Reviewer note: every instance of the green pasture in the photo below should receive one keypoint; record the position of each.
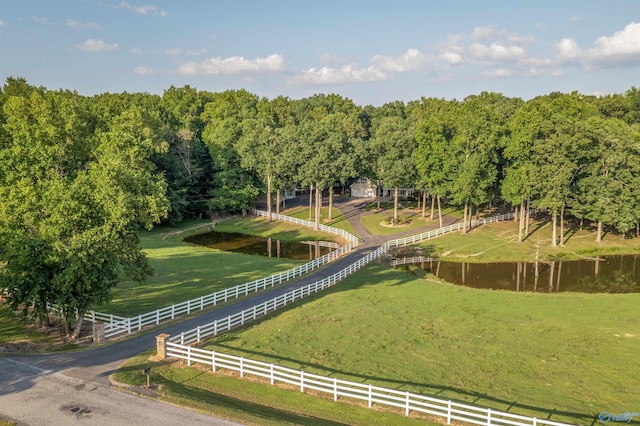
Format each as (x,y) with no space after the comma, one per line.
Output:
(375,222)
(498,243)
(185,271)
(564,356)
(338,219)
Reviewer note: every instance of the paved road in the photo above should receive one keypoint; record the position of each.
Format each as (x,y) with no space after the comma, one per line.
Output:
(75,387)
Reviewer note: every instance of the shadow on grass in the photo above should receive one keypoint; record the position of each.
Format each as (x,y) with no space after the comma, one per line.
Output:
(221,402)
(434,389)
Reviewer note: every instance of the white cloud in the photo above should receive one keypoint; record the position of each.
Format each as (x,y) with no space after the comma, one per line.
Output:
(575,18)
(232,65)
(147,9)
(80,25)
(346,74)
(452,58)
(490,32)
(135,50)
(495,52)
(623,47)
(144,70)
(40,20)
(92,45)
(381,67)
(411,60)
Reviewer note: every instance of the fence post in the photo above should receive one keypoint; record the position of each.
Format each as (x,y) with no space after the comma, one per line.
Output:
(139,322)
(128,325)
(188,356)
(407,404)
(335,389)
(213,361)
(488,416)
(369,396)
(241,368)
(449,412)
(302,381)
(271,373)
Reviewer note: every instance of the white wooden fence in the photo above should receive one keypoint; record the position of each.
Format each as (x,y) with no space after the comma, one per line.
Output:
(179,346)
(406,401)
(116,325)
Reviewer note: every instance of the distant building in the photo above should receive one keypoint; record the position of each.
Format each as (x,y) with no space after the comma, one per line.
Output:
(364,188)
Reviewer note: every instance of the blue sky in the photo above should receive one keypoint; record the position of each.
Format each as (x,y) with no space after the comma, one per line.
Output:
(370,51)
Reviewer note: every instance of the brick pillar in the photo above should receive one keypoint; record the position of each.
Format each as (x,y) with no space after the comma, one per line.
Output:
(99,333)
(161,349)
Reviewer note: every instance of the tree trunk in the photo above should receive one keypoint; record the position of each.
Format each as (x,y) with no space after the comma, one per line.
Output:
(526,225)
(439,211)
(278,202)
(379,193)
(562,226)
(599,233)
(77,329)
(395,205)
(269,196)
(515,213)
(433,202)
(554,236)
(551,274)
(310,202)
(419,199)
(521,225)
(464,221)
(424,203)
(318,205)
(330,202)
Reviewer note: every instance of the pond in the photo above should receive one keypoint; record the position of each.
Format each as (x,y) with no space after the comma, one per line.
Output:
(607,274)
(240,243)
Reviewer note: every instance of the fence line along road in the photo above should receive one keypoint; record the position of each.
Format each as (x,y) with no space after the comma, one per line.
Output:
(179,346)
(406,401)
(116,325)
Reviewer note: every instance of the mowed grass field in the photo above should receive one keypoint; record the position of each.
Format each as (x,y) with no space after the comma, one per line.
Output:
(185,271)
(498,243)
(565,357)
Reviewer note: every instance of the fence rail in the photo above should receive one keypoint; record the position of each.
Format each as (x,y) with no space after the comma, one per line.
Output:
(406,401)
(116,325)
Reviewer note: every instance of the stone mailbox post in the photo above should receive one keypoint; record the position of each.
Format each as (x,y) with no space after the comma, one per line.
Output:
(161,349)
(98,333)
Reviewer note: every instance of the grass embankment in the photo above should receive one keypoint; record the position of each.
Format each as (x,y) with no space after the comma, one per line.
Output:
(185,271)
(498,243)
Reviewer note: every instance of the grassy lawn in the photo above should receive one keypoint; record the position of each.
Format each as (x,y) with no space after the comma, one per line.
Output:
(249,402)
(338,220)
(498,243)
(185,271)
(375,222)
(562,356)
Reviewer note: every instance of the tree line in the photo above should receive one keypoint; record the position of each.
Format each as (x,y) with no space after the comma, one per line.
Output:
(80,174)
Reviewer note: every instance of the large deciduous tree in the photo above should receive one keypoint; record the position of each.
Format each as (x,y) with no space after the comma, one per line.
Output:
(73,198)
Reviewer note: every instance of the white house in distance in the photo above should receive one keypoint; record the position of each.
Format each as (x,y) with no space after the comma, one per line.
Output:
(364,188)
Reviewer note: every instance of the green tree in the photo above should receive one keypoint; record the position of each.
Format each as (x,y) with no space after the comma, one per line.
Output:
(608,189)
(233,187)
(73,199)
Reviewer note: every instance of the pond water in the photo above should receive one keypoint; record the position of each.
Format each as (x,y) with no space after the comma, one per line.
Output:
(609,274)
(239,243)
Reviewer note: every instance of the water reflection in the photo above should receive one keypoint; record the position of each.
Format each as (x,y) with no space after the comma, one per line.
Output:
(239,243)
(608,274)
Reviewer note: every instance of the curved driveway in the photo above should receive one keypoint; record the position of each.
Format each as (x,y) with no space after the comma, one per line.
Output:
(74,387)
